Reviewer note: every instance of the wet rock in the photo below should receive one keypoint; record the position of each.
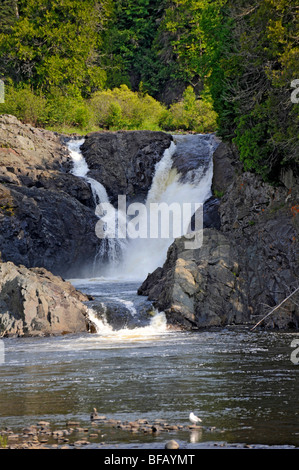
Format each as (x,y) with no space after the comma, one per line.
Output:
(72,423)
(81,442)
(172,445)
(43,423)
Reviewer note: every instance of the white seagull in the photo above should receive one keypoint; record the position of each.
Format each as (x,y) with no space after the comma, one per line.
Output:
(194,419)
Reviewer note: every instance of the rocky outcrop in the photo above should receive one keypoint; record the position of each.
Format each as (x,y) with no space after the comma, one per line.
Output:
(124,161)
(248,262)
(46,214)
(202,287)
(264,222)
(34,302)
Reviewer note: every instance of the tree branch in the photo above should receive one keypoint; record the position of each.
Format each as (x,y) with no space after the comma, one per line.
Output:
(275,308)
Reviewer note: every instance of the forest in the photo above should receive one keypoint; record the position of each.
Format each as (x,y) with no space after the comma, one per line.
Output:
(224,66)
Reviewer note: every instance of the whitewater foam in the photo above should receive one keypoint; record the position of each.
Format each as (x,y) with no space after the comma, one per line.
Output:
(156,327)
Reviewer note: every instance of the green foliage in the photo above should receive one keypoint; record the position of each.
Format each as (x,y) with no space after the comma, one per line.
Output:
(191,114)
(252,93)
(225,64)
(125,109)
(127,50)
(8,14)
(53,44)
(67,110)
(26,105)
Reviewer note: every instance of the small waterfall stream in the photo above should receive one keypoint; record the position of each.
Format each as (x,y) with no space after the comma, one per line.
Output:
(110,248)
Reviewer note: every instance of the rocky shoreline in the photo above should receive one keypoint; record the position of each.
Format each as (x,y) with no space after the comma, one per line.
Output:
(102,433)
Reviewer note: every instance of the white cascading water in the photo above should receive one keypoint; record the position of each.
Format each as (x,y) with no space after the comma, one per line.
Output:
(143,256)
(157,326)
(110,248)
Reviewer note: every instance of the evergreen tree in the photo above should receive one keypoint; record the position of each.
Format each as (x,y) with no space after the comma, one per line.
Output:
(53,44)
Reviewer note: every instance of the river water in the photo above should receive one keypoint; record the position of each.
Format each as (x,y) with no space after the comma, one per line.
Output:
(242,384)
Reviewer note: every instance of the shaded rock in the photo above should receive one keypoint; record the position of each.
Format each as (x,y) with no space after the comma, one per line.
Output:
(46,228)
(260,219)
(34,302)
(226,165)
(124,161)
(211,216)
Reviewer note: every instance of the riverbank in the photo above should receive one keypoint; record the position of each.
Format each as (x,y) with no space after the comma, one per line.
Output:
(102,434)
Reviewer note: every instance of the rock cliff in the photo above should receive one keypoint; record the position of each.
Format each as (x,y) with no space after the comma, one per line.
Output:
(46,213)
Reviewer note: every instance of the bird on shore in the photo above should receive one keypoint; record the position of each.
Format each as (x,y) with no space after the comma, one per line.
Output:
(194,419)
(94,414)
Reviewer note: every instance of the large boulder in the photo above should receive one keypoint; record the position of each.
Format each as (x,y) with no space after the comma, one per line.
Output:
(34,302)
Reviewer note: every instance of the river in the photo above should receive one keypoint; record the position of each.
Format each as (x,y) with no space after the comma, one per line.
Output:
(242,384)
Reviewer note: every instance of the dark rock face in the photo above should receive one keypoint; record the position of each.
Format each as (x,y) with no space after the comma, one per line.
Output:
(47,228)
(124,162)
(34,302)
(262,221)
(226,164)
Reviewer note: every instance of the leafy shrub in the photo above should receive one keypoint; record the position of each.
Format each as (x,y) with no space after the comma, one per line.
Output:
(191,114)
(68,110)
(26,105)
(125,109)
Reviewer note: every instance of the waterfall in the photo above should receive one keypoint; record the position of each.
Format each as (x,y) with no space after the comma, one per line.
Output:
(189,181)
(143,256)
(110,249)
